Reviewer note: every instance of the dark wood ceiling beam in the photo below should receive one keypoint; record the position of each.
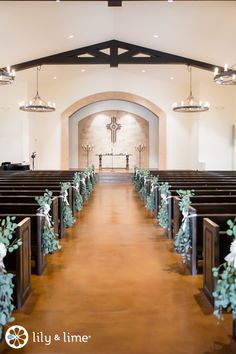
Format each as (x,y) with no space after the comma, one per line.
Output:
(94,54)
(114,3)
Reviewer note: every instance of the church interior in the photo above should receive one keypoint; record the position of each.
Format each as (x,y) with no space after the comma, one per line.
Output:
(118,177)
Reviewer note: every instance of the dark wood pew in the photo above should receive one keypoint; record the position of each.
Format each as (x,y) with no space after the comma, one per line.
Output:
(216,245)
(37,225)
(28,199)
(175,215)
(19,262)
(217,207)
(27,191)
(200,212)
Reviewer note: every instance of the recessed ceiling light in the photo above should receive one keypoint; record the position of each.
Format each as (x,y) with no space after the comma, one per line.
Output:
(83,70)
(170,0)
(143,71)
(71,36)
(57,0)
(156,36)
(54,77)
(172,78)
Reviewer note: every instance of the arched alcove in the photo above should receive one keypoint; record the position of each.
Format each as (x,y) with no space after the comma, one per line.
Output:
(105,96)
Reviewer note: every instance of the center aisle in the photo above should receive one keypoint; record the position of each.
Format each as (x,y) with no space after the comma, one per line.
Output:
(118,281)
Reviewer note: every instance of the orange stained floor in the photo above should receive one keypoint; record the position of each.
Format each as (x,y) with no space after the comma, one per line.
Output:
(118,281)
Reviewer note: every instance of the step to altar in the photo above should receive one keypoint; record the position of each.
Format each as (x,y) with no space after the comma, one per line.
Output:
(113,177)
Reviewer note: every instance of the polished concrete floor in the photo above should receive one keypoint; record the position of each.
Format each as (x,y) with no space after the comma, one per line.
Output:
(118,282)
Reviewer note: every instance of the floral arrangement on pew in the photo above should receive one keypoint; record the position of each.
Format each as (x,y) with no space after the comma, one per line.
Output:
(78,202)
(143,177)
(68,218)
(50,242)
(182,240)
(163,215)
(225,290)
(135,175)
(89,172)
(150,205)
(7,228)
(84,189)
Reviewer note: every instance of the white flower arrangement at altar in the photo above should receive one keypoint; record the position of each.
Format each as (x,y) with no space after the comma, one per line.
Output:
(50,242)
(225,289)
(183,240)
(7,229)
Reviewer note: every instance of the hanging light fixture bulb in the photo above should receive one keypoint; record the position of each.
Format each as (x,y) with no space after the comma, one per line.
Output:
(190,104)
(226,76)
(7,76)
(37,104)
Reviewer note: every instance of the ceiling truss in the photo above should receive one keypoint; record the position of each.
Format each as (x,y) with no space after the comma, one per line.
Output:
(113,53)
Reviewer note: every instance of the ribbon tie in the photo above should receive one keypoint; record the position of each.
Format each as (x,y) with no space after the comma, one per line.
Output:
(231,257)
(3,253)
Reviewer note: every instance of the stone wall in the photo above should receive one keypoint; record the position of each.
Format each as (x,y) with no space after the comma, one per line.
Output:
(92,130)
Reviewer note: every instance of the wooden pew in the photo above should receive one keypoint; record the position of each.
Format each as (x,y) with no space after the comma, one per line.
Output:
(175,215)
(216,245)
(28,199)
(200,212)
(19,262)
(37,225)
(40,191)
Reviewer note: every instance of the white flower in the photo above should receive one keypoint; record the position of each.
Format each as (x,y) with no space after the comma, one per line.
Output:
(3,253)
(231,257)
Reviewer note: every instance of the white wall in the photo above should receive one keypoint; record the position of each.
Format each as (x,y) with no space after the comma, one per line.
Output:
(215,128)
(191,139)
(14,127)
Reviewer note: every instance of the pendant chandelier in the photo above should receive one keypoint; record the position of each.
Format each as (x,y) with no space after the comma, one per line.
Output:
(227,76)
(37,104)
(190,104)
(7,76)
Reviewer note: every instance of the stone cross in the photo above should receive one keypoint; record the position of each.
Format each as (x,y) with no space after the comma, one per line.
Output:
(113,127)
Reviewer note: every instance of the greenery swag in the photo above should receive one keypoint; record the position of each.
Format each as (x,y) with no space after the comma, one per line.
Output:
(163,215)
(225,290)
(50,242)
(183,241)
(151,198)
(78,202)
(7,244)
(68,218)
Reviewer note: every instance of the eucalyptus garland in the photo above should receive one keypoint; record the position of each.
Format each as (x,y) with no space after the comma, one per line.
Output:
(68,219)
(50,242)
(7,244)
(84,190)
(7,229)
(182,240)
(163,216)
(91,171)
(78,201)
(143,175)
(150,205)
(89,183)
(225,290)
(6,301)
